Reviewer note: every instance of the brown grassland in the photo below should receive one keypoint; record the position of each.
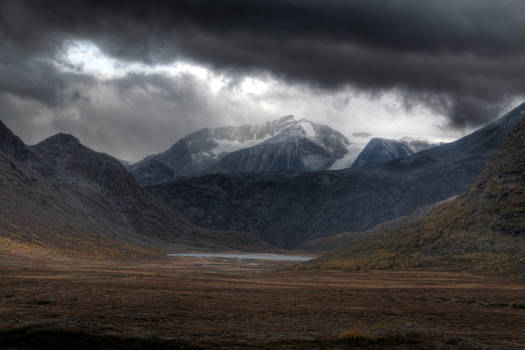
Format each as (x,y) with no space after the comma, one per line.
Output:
(187,303)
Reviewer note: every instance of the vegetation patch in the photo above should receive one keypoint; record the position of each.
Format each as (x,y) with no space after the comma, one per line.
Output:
(356,336)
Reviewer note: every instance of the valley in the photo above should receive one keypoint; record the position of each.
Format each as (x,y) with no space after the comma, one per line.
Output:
(89,258)
(267,175)
(189,303)
(286,210)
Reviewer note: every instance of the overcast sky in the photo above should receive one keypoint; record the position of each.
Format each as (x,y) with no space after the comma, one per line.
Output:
(130,78)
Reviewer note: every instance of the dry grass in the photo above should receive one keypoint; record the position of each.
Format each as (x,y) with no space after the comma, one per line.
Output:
(217,304)
(356,336)
(436,241)
(97,247)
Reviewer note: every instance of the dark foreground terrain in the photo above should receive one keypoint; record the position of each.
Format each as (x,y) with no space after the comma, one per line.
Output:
(186,303)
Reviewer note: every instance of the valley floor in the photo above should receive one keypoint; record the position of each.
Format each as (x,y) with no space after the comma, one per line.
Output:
(191,303)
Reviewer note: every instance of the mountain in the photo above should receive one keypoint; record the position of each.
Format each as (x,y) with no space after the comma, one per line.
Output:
(11,145)
(282,145)
(286,210)
(380,151)
(302,146)
(326,244)
(483,229)
(63,197)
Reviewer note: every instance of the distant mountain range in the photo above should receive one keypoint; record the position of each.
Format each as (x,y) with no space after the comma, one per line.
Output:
(63,197)
(285,145)
(483,229)
(286,210)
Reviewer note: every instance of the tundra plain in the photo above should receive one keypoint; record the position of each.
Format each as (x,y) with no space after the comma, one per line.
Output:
(190,303)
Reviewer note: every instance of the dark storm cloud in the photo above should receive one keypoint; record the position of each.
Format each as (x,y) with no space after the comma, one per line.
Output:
(130,116)
(464,59)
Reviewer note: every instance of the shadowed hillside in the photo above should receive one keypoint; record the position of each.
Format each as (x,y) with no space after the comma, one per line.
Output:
(330,243)
(381,151)
(61,197)
(483,229)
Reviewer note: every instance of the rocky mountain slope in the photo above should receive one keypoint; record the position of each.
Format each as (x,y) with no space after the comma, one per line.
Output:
(374,151)
(330,243)
(482,229)
(282,145)
(380,151)
(61,196)
(303,146)
(287,210)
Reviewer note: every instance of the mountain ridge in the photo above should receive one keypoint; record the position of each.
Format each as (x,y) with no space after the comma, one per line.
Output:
(266,147)
(286,210)
(12,144)
(483,229)
(380,151)
(66,198)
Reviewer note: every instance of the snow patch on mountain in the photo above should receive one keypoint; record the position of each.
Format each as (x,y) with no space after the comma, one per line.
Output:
(226,146)
(348,159)
(308,128)
(281,145)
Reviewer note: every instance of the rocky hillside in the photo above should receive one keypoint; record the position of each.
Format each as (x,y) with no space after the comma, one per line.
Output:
(282,145)
(287,210)
(330,243)
(482,229)
(381,151)
(61,196)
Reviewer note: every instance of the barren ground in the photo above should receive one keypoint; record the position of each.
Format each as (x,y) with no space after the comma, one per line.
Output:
(197,303)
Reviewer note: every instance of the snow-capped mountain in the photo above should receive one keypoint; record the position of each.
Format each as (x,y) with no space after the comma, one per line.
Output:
(282,145)
(302,146)
(285,211)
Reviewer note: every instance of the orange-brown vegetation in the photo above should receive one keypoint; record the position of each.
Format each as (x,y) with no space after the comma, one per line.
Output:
(481,230)
(58,303)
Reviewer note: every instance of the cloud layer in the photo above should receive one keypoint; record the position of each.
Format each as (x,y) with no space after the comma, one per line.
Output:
(464,60)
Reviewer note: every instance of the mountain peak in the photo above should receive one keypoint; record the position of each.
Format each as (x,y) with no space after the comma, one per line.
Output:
(379,151)
(286,118)
(59,144)
(12,144)
(274,143)
(62,138)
